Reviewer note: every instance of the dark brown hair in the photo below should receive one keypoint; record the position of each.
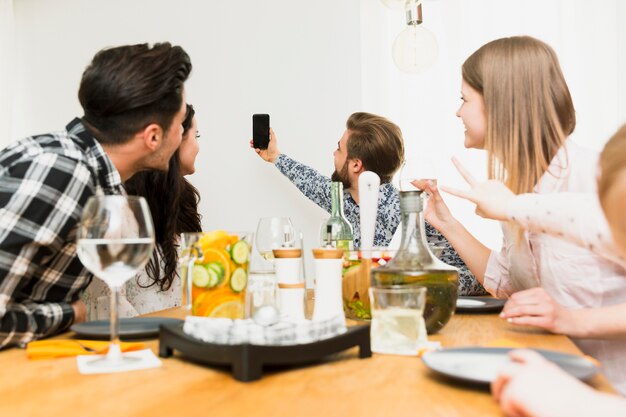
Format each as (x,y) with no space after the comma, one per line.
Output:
(126,88)
(173,202)
(377,142)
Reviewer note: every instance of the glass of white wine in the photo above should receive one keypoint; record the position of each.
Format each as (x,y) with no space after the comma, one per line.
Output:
(115,239)
(273,233)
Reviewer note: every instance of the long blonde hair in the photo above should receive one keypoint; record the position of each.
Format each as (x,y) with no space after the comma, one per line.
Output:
(529,109)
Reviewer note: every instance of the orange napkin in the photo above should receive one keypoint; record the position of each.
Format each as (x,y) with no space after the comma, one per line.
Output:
(504,342)
(61,348)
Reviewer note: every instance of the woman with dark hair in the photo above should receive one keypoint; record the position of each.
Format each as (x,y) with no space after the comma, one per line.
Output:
(173,203)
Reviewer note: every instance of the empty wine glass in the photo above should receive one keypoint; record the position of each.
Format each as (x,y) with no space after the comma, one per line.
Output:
(273,233)
(418,167)
(115,239)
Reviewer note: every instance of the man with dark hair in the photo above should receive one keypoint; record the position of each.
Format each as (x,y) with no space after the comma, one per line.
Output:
(370,143)
(134,104)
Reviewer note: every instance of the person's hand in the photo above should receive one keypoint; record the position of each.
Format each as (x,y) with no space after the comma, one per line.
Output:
(535,307)
(437,212)
(491,197)
(80,311)
(271,153)
(532,386)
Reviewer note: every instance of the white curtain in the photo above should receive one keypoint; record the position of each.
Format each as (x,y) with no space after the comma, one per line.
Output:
(7,63)
(588,37)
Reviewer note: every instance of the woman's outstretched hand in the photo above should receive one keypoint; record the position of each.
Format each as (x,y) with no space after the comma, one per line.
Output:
(492,197)
(437,212)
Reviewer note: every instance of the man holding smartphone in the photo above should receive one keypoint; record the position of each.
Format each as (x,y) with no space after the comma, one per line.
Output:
(370,143)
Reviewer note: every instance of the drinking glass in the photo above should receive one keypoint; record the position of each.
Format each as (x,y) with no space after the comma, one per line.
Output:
(115,239)
(398,326)
(190,251)
(418,167)
(214,268)
(273,233)
(261,292)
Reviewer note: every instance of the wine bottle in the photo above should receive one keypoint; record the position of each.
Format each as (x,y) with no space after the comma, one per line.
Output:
(340,229)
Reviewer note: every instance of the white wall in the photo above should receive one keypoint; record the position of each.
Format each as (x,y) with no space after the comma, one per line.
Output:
(309,64)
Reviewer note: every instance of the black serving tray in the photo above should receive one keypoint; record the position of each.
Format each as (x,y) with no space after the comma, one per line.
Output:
(247,361)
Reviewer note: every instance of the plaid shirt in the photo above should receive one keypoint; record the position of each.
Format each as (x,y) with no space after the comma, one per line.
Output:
(45,181)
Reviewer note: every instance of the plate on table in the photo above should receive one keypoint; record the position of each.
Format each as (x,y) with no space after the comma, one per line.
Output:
(479,305)
(482,365)
(130,328)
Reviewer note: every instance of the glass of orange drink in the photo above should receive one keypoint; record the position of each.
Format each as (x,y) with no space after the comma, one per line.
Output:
(214,272)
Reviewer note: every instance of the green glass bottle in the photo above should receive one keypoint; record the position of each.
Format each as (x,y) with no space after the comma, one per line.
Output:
(415,264)
(337,228)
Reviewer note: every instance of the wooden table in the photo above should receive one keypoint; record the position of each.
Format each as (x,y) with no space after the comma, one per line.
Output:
(341,386)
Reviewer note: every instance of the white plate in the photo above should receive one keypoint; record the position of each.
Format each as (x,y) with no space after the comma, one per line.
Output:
(469,304)
(482,365)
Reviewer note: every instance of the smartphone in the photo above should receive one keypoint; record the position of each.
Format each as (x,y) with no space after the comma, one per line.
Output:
(260,130)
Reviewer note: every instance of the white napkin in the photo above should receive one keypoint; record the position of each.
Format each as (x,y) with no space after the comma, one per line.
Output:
(146,360)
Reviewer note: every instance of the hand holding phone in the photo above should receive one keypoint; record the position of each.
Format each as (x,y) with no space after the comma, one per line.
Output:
(260,130)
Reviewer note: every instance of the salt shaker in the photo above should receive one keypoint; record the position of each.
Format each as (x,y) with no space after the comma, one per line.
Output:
(328,301)
(291,290)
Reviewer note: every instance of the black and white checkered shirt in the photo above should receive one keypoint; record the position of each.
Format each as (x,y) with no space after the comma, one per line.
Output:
(45,181)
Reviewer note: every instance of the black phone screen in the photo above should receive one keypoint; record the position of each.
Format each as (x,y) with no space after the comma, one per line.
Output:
(260,130)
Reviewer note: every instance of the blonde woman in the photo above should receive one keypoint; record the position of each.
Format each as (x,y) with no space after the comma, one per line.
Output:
(517,107)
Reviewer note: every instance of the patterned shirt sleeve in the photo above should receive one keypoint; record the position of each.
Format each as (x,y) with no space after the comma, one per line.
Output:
(311,183)
(316,187)
(468,285)
(40,203)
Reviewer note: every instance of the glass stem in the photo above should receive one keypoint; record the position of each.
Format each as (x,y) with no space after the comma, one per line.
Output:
(115,353)
(188,283)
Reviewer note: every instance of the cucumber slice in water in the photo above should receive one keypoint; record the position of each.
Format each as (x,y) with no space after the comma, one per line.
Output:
(214,277)
(218,268)
(238,280)
(200,276)
(204,277)
(240,252)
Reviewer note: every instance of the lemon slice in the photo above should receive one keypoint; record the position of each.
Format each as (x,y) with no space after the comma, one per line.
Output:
(230,309)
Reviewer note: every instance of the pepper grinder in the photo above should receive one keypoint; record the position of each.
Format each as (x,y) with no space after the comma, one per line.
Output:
(328,302)
(291,290)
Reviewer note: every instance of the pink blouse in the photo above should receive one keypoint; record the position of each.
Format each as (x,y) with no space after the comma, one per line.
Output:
(573,275)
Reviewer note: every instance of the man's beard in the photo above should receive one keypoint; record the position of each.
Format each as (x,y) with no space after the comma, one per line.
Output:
(342,176)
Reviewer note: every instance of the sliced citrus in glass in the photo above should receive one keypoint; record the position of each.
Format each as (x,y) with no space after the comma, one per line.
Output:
(217,239)
(230,309)
(219,256)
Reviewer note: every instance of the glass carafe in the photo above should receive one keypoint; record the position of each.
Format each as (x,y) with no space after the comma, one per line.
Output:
(415,264)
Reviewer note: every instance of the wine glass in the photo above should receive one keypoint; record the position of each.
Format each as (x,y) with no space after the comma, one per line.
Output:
(418,167)
(115,239)
(273,233)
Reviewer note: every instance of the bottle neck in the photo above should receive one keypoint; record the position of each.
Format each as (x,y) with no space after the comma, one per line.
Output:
(336,200)
(413,232)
